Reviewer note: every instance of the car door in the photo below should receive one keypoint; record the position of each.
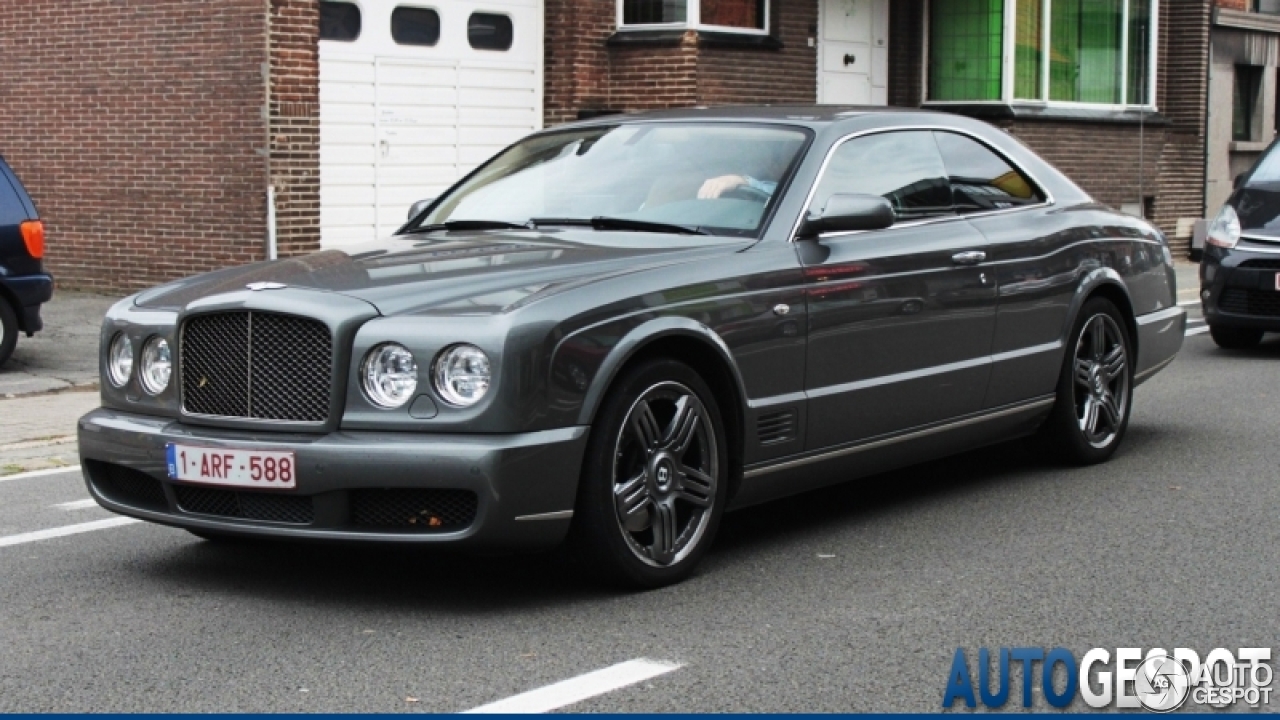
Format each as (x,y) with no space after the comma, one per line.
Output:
(900,320)
(1037,283)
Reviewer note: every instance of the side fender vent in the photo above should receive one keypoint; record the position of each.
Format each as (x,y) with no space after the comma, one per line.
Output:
(776,427)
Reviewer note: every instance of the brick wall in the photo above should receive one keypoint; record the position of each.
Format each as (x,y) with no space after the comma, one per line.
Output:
(584,73)
(1233,4)
(137,126)
(294,124)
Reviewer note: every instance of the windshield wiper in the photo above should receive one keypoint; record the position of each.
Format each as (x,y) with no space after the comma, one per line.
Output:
(470,225)
(601,222)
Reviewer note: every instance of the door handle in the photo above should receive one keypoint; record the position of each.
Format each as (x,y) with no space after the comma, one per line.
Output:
(969,257)
(850,59)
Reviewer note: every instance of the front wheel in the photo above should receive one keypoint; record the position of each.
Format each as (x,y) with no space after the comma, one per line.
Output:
(653,485)
(1095,388)
(1234,338)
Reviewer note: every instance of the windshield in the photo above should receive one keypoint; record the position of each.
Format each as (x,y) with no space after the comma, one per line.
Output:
(719,179)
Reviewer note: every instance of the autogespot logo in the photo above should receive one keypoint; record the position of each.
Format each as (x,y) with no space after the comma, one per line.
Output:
(1159,681)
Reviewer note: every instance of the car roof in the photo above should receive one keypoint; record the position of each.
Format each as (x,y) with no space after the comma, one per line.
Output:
(808,115)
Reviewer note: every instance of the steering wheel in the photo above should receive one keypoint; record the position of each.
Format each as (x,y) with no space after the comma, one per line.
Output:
(748,193)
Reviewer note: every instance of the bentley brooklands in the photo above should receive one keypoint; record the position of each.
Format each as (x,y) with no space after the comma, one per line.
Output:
(616,330)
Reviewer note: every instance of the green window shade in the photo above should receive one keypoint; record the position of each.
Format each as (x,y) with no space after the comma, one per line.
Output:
(1139,51)
(1030,45)
(964,49)
(1085,41)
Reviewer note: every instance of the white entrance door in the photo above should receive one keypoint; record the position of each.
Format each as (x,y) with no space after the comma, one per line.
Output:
(399,123)
(853,52)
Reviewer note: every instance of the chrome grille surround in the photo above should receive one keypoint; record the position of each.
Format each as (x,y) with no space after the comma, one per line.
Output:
(255,365)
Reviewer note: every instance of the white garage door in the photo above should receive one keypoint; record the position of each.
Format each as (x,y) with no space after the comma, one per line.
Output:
(402,121)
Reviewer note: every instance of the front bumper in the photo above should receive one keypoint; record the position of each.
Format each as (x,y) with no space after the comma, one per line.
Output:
(1242,288)
(524,485)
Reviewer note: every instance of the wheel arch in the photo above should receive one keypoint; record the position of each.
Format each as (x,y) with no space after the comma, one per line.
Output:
(1104,283)
(699,347)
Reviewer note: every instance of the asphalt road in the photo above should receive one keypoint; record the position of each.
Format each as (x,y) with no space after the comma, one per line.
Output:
(849,599)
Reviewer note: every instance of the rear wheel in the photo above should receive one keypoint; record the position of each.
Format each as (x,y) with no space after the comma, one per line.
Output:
(8,331)
(654,484)
(1095,388)
(1235,338)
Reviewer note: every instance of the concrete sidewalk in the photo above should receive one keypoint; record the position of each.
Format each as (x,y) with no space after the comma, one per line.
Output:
(51,380)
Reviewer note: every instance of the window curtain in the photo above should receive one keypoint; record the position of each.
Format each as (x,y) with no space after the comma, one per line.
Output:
(1029,36)
(1084,52)
(733,13)
(965,38)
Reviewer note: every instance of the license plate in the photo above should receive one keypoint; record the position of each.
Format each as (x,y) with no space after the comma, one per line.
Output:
(266,469)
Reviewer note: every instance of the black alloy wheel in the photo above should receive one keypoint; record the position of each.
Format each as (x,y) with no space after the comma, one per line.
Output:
(1095,388)
(653,486)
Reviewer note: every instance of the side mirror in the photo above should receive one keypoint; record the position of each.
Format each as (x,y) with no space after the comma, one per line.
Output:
(1237,181)
(847,213)
(419,206)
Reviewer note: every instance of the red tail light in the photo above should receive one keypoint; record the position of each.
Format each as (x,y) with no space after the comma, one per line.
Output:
(33,236)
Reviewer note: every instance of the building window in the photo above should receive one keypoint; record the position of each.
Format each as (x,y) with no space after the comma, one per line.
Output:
(749,16)
(415,26)
(1270,7)
(339,21)
(1244,105)
(1065,51)
(490,31)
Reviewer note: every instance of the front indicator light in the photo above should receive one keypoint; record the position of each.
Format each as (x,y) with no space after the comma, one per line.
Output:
(120,360)
(157,366)
(462,375)
(389,375)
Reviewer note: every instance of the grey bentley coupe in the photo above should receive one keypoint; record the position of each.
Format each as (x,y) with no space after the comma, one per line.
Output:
(616,330)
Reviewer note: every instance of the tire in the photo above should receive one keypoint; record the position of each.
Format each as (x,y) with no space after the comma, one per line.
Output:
(1235,338)
(644,473)
(1095,388)
(8,331)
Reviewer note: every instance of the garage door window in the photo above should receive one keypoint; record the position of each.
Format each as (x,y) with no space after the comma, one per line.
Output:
(415,26)
(339,21)
(489,31)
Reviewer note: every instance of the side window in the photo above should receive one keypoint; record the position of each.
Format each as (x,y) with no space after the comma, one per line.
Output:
(903,167)
(12,211)
(415,26)
(490,31)
(980,179)
(339,21)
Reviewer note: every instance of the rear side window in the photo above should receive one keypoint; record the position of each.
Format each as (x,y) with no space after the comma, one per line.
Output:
(12,209)
(980,179)
(903,167)
(490,31)
(339,21)
(415,26)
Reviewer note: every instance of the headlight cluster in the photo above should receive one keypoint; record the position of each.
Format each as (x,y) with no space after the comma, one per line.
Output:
(460,374)
(155,369)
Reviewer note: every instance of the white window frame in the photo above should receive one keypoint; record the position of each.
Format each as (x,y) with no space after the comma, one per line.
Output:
(1009,57)
(693,21)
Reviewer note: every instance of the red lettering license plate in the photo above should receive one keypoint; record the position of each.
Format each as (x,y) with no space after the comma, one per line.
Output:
(268,469)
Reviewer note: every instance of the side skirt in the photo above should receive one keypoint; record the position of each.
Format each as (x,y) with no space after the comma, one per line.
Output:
(799,473)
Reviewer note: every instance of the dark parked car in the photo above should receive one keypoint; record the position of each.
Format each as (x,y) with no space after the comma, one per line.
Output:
(1240,268)
(24,285)
(616,330)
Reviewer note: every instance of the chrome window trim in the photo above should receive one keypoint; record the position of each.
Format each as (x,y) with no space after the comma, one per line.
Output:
(826,161)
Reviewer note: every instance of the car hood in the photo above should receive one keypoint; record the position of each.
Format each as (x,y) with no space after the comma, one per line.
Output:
(456,273)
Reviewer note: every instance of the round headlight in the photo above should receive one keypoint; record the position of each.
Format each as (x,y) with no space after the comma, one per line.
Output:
(157,366)
(120,360)
(389,375)
(462,375)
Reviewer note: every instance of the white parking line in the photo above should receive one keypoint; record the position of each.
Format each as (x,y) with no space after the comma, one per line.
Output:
(39,473)
(78,504)
(573,690)
(1197,331)
(65,530)
(1188,303)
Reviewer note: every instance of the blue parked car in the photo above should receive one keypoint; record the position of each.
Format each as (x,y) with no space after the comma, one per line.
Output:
(24,285)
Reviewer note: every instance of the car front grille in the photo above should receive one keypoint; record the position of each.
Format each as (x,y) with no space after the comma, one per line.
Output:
(1261,264)
(295,509)
(126,485)
(256,365)
(421,510)
(1250,302)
